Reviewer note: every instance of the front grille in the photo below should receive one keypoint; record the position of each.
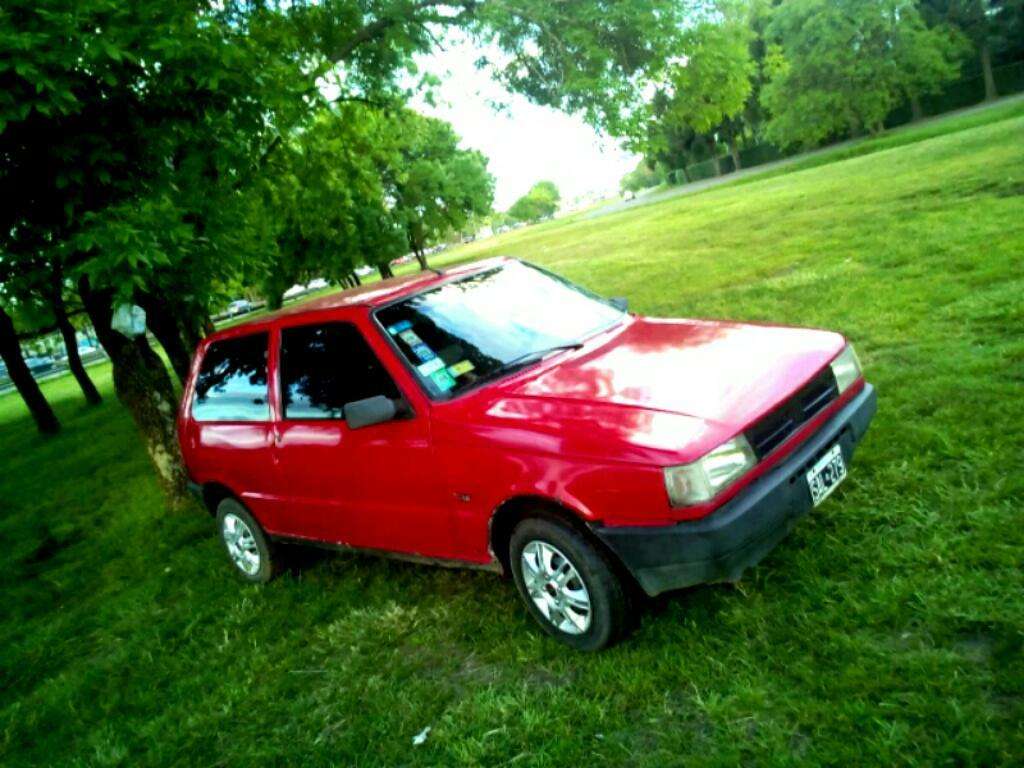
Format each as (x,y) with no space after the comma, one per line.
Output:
(771,430)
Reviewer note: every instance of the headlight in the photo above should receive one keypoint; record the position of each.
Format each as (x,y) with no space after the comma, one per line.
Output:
(846,368)
(702,480)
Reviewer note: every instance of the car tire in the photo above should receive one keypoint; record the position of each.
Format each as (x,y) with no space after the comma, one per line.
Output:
(247,546)
(568,584)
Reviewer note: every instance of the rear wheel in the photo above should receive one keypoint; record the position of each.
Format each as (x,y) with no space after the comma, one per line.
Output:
(246,544)
(569,586)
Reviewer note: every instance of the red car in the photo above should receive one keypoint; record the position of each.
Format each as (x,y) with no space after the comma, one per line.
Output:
(497,416)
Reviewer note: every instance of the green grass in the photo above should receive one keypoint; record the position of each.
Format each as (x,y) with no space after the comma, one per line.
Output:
(887,629)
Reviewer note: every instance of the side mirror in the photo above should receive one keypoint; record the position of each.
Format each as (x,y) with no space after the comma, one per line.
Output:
(372,410)
(619,302)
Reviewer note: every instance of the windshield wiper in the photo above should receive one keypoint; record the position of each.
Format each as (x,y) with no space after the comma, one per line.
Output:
(532,357)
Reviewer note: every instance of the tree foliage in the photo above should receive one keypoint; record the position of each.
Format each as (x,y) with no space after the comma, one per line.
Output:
(322,202)
(136,141)
(991,27)
(540,202)
(436,185)
(641,177)
(840,66)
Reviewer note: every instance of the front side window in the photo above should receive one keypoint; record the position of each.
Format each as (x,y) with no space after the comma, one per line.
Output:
(325,366)
(232,381)
(481,326)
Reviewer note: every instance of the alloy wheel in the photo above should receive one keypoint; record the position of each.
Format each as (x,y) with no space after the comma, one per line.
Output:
(556,587)
(241,544)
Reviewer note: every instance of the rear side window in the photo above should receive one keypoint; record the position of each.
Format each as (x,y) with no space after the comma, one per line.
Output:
(325,366)
(232,381)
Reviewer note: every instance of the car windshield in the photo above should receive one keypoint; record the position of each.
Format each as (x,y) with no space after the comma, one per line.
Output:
(491,323)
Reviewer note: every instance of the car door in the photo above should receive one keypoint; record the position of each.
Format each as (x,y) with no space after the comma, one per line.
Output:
(230,429)
(374,487)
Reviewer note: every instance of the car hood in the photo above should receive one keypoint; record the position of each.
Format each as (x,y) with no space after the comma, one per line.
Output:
(659,390)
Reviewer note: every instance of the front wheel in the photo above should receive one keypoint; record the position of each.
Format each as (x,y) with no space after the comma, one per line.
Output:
(569,586)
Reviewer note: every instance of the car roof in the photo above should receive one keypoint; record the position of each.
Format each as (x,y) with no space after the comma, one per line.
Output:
(369,295)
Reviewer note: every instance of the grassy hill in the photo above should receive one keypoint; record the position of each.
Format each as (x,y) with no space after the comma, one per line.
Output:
(888,629)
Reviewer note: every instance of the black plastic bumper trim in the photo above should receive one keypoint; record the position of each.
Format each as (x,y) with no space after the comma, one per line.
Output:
(738,535)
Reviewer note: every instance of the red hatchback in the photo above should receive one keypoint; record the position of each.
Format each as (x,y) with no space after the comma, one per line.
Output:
(498,416)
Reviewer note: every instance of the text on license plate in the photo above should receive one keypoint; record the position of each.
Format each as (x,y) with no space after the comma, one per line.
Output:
(826,474)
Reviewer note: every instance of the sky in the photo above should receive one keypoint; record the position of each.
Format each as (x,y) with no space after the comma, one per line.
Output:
(524,142)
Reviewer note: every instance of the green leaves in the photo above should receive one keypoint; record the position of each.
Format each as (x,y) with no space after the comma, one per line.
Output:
(436,186)
(540,202)
(712,82)
(843,65)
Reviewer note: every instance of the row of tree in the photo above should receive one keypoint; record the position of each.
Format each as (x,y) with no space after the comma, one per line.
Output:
(799,73)
(157,154)
(360,186)
(163,154)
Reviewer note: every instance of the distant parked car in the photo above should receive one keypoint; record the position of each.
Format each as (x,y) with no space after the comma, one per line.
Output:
(496,416)
(89,352)
(316,285)
(39,364)
(364,270)
(240,307)
(294,291)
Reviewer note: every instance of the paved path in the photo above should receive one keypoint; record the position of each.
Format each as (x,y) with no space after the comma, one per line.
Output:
(715,181)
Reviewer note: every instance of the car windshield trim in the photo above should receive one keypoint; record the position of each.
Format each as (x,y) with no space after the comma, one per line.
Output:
(504,371)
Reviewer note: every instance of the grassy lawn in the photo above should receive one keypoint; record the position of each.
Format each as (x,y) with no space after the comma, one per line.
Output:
(888,629)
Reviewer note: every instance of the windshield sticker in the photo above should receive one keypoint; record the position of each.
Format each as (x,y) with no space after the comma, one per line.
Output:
(410,338)
(461,367)
(423,352)
(442,380)
(399,327)
(430,366)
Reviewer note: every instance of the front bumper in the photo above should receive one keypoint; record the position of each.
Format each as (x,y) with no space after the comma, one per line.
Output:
(741,532)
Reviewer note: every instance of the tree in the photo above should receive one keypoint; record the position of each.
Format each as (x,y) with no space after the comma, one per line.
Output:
(56,299)
(710,88)
(131,149)
(991,26)
(539,203)
(706,91)
(436,185)
(10,351)
(309,193)
(839,67)
(39,305)
(582,57)
(927,57)
(641,177)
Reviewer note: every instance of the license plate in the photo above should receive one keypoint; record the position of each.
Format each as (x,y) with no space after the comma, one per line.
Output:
(826,475)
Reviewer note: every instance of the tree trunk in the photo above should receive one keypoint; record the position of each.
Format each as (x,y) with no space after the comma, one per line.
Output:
(192,332)
(713,146)
(275,300)
(163,323)
(421,257)
(144,387)
(986,69)
(734,151)
(28,388)
(385,271)
(355,279)
(67,332)
(916,110)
